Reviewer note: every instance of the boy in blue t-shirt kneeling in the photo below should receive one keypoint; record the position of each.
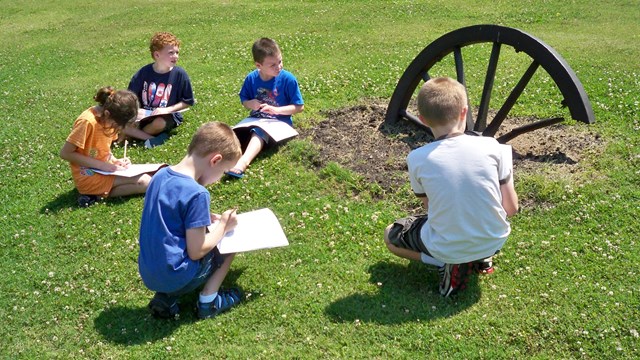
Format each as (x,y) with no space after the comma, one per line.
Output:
(178,253)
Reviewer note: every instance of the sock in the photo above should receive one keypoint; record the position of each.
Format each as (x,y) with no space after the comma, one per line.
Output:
(430,260)
(207,298)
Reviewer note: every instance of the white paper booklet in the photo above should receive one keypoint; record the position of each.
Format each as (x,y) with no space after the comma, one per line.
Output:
(277,130)
(147,114)
(258,229)
(133,170)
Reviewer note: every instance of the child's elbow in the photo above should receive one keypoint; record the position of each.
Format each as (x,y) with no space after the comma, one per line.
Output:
(512,210)
(195,255)
(64,155)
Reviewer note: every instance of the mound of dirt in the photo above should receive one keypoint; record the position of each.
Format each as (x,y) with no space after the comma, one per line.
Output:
(358,139)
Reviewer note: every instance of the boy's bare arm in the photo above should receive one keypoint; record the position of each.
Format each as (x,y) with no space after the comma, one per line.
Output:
(509,197)
(200,242)
(170,109)
(252,104)
(425,201)
(197,246)
(281,110)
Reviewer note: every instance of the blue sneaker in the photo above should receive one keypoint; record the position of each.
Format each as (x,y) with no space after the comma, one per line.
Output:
(225,300)
(156,141)
(164,306)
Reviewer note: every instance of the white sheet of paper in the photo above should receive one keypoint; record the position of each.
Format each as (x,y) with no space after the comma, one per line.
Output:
(133,170)
(147,114)
(278,130)
(258,229)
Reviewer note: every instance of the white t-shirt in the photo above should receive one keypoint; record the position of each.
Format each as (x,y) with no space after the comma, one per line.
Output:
(461,178)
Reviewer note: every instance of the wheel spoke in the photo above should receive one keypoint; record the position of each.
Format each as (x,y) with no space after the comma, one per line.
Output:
(481,123)
(457,56)
(511,100)
(409,116)
(529,127)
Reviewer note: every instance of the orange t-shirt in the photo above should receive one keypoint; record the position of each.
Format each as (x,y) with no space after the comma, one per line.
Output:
(89,136)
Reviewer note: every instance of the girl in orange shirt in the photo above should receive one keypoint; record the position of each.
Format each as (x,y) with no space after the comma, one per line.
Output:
(88,147)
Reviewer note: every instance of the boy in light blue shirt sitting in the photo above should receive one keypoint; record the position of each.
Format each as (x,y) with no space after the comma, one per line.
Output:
(269,91)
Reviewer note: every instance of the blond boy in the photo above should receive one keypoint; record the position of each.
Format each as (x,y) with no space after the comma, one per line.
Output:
(465,183)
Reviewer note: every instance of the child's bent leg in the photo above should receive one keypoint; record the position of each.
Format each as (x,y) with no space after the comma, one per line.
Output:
(405,241)
(253,149)
(125,186)
(158,125)
(215,281)
(223,300)
(136,133)
(398,251)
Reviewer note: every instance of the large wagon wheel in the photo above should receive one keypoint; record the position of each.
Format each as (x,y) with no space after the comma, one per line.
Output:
(541,54)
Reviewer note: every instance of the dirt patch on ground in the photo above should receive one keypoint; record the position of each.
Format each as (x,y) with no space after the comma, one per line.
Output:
(357,138)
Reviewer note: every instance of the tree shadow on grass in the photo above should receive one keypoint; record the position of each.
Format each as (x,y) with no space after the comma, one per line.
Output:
(134,325)
(406,294)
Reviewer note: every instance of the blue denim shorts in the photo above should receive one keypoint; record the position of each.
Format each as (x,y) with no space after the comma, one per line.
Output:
(261,134)
(208,265)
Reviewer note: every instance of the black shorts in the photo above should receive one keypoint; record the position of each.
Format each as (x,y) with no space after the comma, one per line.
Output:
(168,118)
(405,233)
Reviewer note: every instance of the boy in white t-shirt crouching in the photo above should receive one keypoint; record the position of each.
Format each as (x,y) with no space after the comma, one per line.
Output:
(466,185)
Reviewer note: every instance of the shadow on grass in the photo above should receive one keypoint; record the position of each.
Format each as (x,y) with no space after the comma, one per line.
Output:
(406,294)
(69,200)
(128,325)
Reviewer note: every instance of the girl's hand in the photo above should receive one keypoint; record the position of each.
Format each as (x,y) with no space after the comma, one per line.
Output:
(123,163)
(109,167)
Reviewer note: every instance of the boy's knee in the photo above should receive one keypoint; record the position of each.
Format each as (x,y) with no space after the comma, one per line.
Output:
(386,234)
(156,126)
(144,180)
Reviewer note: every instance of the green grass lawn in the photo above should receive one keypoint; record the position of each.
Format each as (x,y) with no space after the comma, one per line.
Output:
(566,284)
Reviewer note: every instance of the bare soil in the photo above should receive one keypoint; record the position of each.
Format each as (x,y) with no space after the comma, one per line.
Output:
(358,138)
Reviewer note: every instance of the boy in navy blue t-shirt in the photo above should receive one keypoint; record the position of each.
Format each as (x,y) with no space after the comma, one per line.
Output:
(163,90)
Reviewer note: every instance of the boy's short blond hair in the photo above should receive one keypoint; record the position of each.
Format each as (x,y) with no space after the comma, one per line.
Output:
(162,39)
(264,47)
(215,138)
(441,100)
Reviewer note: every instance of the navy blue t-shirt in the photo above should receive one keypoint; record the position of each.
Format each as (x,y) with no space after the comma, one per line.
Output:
(161,90)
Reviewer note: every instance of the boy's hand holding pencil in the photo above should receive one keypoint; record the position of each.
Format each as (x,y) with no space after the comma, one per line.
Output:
(228,219)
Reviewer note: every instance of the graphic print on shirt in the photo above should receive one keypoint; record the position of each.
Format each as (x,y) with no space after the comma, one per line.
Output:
(155,95)
(87,171)
(265,96)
